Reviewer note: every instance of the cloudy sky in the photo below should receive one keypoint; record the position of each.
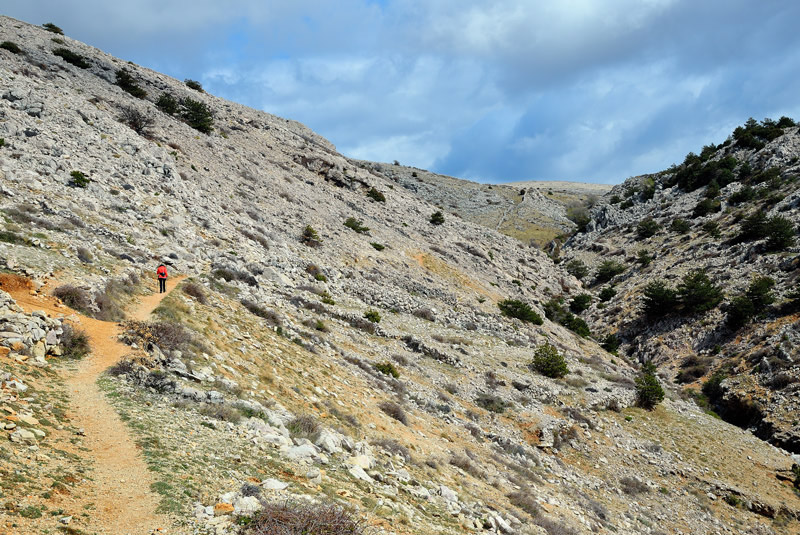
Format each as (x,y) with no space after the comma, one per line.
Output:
(492,90)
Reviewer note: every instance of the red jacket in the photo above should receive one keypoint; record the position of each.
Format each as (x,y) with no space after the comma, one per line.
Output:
(161,272)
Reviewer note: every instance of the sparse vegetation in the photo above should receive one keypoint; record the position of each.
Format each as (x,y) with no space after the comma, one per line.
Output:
(491,403)
(197,115)
(137,120)
(580,303)
(387,368)
(647,228)
(168,104)
(289,518)
(377,246)
(577,269)
(74,343)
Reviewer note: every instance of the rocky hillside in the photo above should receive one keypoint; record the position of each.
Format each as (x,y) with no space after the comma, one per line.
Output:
(336,342)
(703,263)
(533,212)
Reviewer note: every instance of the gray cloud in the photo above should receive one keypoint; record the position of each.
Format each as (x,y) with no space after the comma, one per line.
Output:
(506,90)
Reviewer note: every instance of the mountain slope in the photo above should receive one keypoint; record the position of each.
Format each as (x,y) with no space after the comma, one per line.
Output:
(329,345)
(732,213)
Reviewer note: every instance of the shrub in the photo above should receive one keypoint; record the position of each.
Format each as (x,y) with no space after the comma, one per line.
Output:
(697,293)
(556,312)
(607,293)
(578,214)
(127,82)
(681,226)
(705,207)
(168,104)
(780,233)
(304,426)
(356,225)
(712,228)
(271,316)
(138,121)
(630,485)
(79,180)
(647,228)
(437,218)
(10,237)
(74,342)
(611,343)
(643,257)
(425,313)
(754,227)
(11,47)
(526,502)
(376,195)
(377,246)
(195,290)
(608,270)
(743,308)
(310,237)
(514,308)
(193,84)
(290,518)
(197,115)
(743,195)
(549,362)
(577,269)
(50,27)
(649,392)
(373,316)
(491,403)
(580,303)
(395,411)
(75,298)
(71,57)
(229,275)
(387,368)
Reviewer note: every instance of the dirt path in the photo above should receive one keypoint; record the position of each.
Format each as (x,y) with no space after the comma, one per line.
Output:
(123,501)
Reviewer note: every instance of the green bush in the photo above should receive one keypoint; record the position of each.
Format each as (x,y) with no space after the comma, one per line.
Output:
(755,300)
(50,27)
(580,303)
(608,270)
(579,214)
(376,195)
(712,229)
(649,392)
(514,308)
(168,104)
(356,225)
(659,299)
(437,218)
(755,135)
(193,84)
(743,195)
(71,57)
(644,258)
(197,115)
(377,246)
(549,362)
(387,368)
(705,207)
(611,343)
(647,228)
(373,316)
(556,312)
(607,293)
(781,233)
(127,82)
(310,237)
(79,180)
(577,269)
(681,226)
(11,47)
(697,293)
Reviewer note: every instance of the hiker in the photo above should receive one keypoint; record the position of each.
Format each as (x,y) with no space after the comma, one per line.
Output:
(162,278)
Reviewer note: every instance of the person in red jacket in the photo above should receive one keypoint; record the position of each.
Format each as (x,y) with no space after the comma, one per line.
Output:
(161,272)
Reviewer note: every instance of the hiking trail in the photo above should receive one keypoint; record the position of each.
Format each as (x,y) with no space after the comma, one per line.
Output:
(123,502)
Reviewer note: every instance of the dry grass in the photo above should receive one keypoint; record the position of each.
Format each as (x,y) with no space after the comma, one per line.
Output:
(304,519)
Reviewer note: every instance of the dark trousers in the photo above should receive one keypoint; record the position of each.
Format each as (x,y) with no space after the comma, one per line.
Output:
(162,285)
